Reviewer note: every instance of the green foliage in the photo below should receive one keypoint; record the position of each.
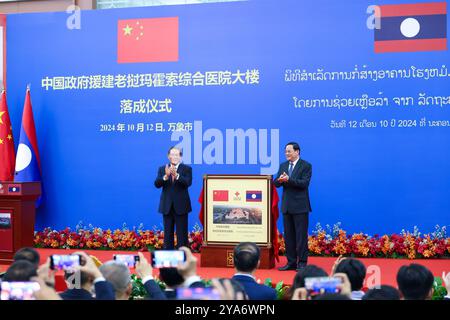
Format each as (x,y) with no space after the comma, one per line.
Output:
(138,292)
(268,282)
(280,288)
(208,283)
(439,291)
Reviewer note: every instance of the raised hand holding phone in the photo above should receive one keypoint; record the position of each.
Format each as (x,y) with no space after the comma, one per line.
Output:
(88,265)
(46,273)
(128,259)
(18,290)
(66,262)
(345,286)
(189,267)
(143,267)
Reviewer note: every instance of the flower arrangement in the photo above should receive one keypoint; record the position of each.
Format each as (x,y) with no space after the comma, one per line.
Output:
(92,238)
(326,242)
(412,245)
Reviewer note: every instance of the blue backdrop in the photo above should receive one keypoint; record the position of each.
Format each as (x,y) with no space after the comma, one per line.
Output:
(372,179)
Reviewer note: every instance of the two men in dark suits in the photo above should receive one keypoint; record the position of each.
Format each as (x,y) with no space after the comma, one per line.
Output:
(294,176)
(175,178)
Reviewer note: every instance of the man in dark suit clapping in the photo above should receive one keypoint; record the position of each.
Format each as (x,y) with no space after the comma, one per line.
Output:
(294,176)
(175,178)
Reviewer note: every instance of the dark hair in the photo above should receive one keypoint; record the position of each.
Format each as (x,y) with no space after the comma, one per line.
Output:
(237,287)
(246,256)
(382,293)
(310,271)
(176,148)
(294,145)
(171,277)
(28,254)
(415,281)
(355,271)
(21,270)
(83,276)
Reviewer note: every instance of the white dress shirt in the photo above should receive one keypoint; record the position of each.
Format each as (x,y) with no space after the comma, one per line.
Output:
(294,164)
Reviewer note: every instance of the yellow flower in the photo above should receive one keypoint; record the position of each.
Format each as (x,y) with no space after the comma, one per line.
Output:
(386,245)
(428,253)
(410,249)
(339,248)
(313,245)
(363,249)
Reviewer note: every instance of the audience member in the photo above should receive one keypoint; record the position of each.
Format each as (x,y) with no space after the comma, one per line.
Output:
(246,261)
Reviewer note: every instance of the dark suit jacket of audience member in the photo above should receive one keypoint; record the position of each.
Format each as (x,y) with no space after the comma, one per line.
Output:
(254,290)
(103,291)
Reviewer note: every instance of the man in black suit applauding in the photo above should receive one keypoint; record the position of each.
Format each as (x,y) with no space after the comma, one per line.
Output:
(294,176)
(175,178)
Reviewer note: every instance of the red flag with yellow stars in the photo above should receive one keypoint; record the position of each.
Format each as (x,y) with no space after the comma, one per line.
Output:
(147,40)
(7,157)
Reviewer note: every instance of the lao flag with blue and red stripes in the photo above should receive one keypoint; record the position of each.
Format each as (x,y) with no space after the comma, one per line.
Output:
(28,164)
(411,27)
(254,196)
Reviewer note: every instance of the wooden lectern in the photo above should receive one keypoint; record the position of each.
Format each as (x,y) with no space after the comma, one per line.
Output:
(236,208)
(17,216)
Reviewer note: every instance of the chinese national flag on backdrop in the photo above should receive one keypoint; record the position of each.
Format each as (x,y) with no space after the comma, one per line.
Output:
(147,40)
(7,157)
(220,195)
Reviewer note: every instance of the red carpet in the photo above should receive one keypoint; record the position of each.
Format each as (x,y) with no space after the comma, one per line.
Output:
(388,267)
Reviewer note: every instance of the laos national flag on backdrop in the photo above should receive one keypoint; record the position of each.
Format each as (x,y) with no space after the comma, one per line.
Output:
(254,196)
(28,164)
(411,27)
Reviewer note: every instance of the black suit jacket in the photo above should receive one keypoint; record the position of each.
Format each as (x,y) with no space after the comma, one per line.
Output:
(170,294)
(76,294)
(295,197)
(197,284)
(254,290)
(103,291)
(175,193)
(154,291)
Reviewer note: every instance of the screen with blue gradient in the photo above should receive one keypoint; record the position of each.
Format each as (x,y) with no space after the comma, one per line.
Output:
(250,77)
